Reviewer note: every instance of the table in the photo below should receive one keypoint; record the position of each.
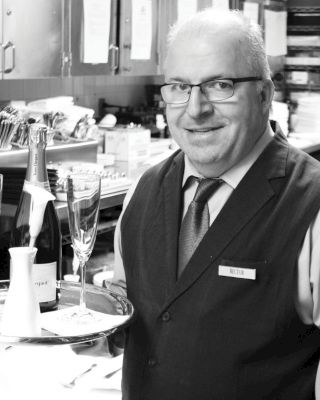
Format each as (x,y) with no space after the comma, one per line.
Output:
(42,368)
(37,373)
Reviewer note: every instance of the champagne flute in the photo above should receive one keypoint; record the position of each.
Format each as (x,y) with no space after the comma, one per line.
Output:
(1,183)
(83,198)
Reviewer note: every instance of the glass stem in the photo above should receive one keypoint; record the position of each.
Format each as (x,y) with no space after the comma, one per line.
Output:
(82,265)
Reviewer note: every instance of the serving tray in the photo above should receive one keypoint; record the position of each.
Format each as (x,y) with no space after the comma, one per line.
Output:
(116,309)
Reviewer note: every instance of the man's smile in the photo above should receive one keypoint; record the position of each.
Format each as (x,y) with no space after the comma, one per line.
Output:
(204,130)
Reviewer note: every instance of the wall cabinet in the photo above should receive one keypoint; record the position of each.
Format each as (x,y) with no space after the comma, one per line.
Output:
(41,38)
(31,38)
(129,65)
(73,64)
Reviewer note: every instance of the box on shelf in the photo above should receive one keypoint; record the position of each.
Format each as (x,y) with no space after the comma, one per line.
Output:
(132,168)
(128,143)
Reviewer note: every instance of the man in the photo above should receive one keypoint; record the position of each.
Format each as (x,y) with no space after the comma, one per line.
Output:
(235,317)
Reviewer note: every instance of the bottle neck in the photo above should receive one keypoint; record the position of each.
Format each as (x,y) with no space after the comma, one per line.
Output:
(36,168)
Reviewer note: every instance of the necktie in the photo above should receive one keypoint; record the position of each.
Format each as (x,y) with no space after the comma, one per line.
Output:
(196,221)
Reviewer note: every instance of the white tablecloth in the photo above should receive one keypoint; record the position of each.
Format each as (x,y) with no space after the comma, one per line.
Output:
(37,372)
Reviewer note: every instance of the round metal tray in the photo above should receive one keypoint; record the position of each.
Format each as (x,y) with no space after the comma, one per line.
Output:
(97,299)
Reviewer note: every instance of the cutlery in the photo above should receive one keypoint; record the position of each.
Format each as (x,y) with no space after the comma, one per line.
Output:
(72,383)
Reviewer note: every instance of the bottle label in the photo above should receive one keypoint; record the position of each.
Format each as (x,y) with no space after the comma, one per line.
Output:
(44,276)
(44,185)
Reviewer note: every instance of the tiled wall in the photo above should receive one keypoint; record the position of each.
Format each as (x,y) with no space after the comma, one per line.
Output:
(86,90)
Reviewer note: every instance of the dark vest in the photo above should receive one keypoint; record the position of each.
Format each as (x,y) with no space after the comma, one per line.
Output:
(206,336)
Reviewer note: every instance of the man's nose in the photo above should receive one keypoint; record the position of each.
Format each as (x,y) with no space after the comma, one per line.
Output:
(198,104)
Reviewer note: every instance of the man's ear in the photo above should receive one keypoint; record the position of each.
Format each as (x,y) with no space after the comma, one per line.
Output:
(266,94)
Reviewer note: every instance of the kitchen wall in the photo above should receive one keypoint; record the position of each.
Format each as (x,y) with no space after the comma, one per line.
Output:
(86,90)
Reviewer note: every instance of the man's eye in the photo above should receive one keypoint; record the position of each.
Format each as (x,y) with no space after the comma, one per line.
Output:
(180,87)
(219,85)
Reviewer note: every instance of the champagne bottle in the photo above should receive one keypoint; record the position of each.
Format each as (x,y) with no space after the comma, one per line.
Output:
(47,238)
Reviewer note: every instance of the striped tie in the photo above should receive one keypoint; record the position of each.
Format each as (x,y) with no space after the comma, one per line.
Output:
(196,221)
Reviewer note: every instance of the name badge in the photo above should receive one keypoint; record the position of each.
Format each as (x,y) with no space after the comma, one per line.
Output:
(235,272)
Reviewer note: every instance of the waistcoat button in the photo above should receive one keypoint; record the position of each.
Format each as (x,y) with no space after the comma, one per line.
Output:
(166,316)
(152,362)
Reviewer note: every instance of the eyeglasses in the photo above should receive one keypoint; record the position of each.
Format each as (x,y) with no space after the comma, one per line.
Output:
(214,90)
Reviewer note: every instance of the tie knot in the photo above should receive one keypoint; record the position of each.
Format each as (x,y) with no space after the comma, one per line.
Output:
(205,189)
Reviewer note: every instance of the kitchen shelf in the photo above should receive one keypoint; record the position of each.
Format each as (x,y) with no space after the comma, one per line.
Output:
(107,201)
(297,87)
(103,227)
(304,10)
(303,28)
(76,151)
(303,48)
(297,67)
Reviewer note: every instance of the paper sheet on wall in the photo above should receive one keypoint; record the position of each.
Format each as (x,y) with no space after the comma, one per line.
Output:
(95,31)
(251,10)
(275,32)
(220,4)
(141,30)
(300,77)
(186,8)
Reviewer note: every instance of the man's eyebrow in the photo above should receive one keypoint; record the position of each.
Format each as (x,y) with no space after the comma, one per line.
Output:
(176,79)
(181,80)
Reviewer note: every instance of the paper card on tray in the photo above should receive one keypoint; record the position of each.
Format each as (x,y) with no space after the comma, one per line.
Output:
(63,322)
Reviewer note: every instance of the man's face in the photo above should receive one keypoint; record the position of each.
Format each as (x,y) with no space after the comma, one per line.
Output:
(217,135)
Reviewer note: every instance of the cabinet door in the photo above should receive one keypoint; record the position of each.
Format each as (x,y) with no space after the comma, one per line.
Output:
(74,26)
(130,62)
(31,38)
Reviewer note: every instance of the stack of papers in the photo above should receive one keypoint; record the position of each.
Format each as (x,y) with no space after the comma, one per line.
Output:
(303,40)
(307,118)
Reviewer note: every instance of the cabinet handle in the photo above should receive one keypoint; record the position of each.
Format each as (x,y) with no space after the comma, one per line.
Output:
(115,57)
(5,47)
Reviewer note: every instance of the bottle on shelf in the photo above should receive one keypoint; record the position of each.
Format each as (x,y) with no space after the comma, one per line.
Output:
(36,223)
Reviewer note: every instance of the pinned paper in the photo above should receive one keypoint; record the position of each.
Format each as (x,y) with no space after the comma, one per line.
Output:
(141,30)
(220,4)
(186,8)
(300,77)
(96,31)
(251,10)
(275,32)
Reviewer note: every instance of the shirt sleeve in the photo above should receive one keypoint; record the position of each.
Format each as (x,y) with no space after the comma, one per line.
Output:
(118,283)
(308,276)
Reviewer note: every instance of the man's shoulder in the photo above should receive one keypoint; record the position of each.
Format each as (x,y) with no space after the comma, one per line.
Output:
(158,171)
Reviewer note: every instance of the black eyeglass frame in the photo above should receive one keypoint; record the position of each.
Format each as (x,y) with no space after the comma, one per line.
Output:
(191,86)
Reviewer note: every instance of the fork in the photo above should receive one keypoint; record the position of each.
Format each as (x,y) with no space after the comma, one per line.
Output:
(72,383)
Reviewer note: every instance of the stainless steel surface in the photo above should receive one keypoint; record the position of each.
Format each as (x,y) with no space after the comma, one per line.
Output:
(35,29)
(98,299)
(81,151)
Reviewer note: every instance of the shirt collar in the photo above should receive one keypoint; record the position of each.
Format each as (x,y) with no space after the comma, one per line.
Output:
(234,175)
